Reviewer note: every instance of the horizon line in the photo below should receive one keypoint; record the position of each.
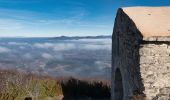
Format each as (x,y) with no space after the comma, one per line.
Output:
(51,36)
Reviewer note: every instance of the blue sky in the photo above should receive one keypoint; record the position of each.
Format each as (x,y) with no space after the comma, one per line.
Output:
(48,18)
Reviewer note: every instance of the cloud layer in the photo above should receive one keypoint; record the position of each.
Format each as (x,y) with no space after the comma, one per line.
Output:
(58,58)
(4,50)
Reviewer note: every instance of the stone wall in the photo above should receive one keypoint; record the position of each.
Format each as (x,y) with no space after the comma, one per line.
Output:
(155,69)
(125,57)
(140,65)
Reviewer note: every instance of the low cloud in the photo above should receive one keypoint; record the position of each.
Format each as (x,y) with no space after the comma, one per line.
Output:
(47,56)
(101,64)
(96,47)
(61,47)
(17,43)
(55,46)
(59,58)
(4,50)
(22,47)
(44,45)
(27,56)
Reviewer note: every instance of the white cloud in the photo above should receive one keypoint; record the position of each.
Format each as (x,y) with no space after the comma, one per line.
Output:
(96,47)
(4,50)
(55,46)
(95,44)
(17,43)
(27,56)
(47,56)
(66,46)
(102,65)
(44,45)
(92,44)
(22,47)
(42,65)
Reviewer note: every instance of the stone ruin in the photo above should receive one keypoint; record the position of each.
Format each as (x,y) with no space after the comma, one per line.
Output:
(141,54)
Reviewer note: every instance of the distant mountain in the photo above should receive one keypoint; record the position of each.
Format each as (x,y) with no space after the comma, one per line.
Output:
(83,37)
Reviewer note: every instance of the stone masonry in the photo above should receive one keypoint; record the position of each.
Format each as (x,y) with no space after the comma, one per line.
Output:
(141,54)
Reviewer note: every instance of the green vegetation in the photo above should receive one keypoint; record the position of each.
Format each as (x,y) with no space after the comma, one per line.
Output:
(17,85)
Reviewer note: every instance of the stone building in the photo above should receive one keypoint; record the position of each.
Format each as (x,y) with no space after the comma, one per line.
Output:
(141,54)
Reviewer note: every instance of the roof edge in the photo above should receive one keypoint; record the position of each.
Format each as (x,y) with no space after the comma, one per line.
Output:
(144,7)
(157,38)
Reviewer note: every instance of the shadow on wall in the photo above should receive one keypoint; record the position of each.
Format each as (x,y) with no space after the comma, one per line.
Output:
(136,40)
(74,89)
(126,40)
(118,89)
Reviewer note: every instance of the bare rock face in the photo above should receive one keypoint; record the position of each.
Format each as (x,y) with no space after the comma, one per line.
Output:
(141,54)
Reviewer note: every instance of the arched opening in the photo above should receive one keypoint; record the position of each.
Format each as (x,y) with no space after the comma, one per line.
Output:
(118,86)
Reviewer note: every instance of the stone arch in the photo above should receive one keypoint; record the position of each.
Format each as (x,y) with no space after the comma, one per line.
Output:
(118,87)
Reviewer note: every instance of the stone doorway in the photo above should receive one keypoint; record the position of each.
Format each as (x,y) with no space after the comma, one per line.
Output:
(118,88)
